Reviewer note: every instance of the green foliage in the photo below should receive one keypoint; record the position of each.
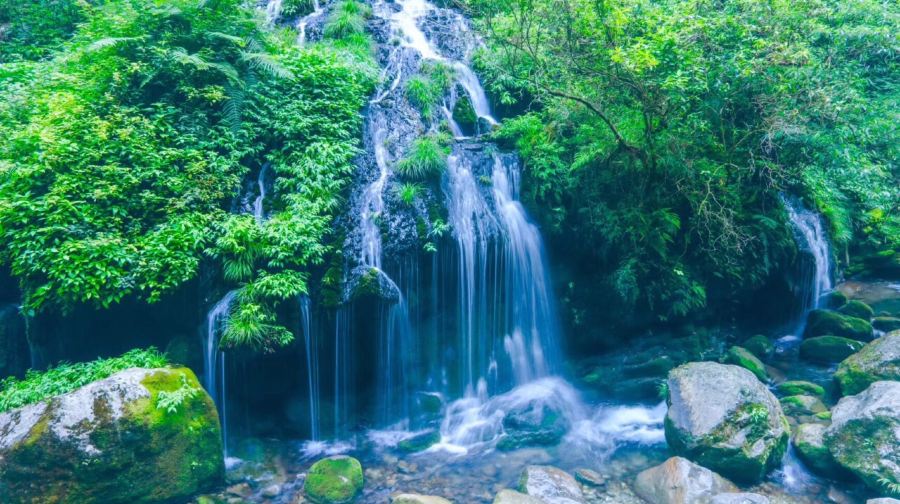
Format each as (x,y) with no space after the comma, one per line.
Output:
(348,18)
(64,378)
(426,90)
(660,133)
(427,157)
(296,8)
(170,401)
(408,192)
(32,29)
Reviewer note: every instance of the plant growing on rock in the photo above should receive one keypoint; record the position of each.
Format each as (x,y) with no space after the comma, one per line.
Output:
(426,158)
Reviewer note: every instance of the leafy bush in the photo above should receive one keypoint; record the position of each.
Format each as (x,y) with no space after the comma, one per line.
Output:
(408,192)
(427,157)
(64,378)
(290,8)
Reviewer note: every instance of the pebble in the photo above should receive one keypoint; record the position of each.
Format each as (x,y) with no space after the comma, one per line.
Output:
(590,478)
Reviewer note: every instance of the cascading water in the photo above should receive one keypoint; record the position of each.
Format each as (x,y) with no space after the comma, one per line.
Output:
(312,367)
(273,11)
(303,22)
(258,210)
(815,269)
(214,359)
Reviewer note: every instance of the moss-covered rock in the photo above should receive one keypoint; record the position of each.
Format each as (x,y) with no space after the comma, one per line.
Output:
(534,424)
(334,480)
(829,349)
(864,436)
(420,442)
(878,360)
(886,324)
(722,417)
(109,441)
(802,405)
(834,300)
(465,116)
(809,442)
(825,322)
(761,346)
(857,309)
(742,357)
(799,387)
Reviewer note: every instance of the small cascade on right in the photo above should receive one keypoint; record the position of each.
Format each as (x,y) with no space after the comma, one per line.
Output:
(815,271)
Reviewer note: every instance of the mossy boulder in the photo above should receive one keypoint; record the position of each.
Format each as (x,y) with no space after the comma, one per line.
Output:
(809,441)
(834,300)
(829,349)
(864,436)
(886,324)
(367,282)
(465,116)
(722,417)
(799,387)
(109,441)
(760,345)
(334,480)
(825,322)
(802,405)
(420,442)
(857,309)
(740,356)
(878,360)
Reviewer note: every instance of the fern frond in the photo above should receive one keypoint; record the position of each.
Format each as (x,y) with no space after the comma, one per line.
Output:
(111,42)
(267,63)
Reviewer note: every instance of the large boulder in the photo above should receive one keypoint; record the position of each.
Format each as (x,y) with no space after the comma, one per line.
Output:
(864,436)
(829,349)
(551,485)
(878,360)
(724,418)
(825,322)
(809,441)
(334,480)
(679,481)
(109,441)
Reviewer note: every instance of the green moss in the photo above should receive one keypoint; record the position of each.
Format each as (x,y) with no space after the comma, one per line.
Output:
(825,322)
(464,114)
(420,442)
(797,387)
(857,309)
(860,445)
(334,480)
(760,346)
(802,405)
(829,349)
(742,357)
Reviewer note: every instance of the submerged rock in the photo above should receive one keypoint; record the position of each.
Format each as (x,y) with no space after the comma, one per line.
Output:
(680,481)
(110,442)
(864,436)
(334,480)
(828,349)
(742,357)
(878,360)
(857,309)
(420,442)
(533,424)
(825,322)
(513,497)
(551,485)
(419,499)
(723,418)
(809,441)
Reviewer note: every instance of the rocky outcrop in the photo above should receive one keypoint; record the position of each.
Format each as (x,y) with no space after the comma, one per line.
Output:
(878,360)
(550,485)
(825,322)
(724,418)
(334,480)
(679,481)
(828,349)
(109,441)
(864,436)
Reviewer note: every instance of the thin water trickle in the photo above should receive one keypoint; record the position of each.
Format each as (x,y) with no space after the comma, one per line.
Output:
(312,367)
(214,359)
(273,11)
(258,210)
(303,22)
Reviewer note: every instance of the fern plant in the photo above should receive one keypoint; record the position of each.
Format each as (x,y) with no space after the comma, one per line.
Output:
(170,401)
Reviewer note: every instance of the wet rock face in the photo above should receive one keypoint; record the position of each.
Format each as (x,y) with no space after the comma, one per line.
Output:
(809,441)
(878,360)
(680,481)
(550,485)
(724,418)
(864,436)
(109,442)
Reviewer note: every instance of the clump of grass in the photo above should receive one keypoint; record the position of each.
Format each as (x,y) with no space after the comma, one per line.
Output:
(427,157)
(408,192)
(347,19)
(425,90)
(64,378)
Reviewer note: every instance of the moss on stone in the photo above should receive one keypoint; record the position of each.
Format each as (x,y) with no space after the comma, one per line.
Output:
(878,360)
(829,349)
(798,387)
(857,309)
(760,346)
(420,442)
(802,405)
(825,322)
(334,480)
(744,358)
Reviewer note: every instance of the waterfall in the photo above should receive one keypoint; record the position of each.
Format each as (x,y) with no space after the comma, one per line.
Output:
(214,360)
(273,11)
(312,367)
(258,210)
(815,273)
(303,22)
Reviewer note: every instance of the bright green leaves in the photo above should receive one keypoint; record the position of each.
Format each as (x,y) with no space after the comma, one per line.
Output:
(426,158)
